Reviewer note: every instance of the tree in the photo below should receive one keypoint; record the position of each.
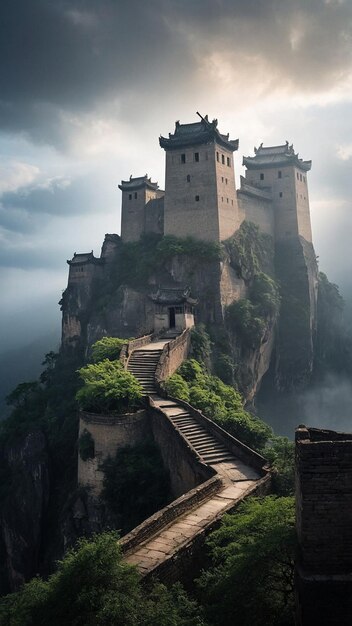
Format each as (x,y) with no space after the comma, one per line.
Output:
(251,578)
(94,587)
(107,348)
(108,388)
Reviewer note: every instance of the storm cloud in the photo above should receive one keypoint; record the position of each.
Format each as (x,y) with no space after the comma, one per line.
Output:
(65,59)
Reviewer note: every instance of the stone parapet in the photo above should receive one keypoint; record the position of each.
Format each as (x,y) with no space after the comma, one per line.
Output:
(173,355)
(168,514)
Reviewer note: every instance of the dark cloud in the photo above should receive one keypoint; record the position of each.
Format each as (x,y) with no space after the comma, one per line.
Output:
(21,210)
(60,59)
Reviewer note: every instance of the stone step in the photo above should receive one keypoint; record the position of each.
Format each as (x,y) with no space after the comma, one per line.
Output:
(216,458)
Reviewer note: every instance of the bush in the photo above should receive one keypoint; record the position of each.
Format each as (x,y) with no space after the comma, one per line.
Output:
(108,388)
(219,402)
(264,293)
(94,586)
(107,348)
(251,578)
(135,484)
(244,319)
(200,344)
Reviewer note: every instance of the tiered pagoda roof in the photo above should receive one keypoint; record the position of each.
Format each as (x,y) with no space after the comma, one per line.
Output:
(197,133)
(275,156)
(138,183)
(173,295)
(84,258)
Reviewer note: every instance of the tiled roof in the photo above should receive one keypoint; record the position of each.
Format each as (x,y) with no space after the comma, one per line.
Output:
(173,295)
(276,156)
(195,134)
(137,183)
(84,258)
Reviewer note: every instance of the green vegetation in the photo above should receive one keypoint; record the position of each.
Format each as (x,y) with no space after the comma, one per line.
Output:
(108,388)
(218,401)
(94,587)
(243,319)
(107,348)
(136,484)
(86,446)
(280,452)
(333,348)
(200,344)
(137,261)
(250,251)
(250,580)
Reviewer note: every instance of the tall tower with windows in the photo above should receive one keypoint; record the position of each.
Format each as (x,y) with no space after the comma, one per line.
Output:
(136,193)
(280,169)
(200,193)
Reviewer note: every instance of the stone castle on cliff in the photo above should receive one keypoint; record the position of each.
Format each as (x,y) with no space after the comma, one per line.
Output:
(200,201)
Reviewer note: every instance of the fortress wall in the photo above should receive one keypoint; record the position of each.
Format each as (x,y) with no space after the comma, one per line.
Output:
(186,469)
(324,501)
(109,434)
(258,211)
(324,522)
(173,355)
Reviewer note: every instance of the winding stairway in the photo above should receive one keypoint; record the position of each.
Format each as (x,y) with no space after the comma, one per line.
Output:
(237,478)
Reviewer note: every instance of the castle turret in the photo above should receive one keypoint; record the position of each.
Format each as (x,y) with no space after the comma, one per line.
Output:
(200,193)
(136,193)
(279,169)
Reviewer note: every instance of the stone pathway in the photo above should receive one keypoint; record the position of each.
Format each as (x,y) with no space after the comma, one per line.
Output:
(165,544)
(238,478)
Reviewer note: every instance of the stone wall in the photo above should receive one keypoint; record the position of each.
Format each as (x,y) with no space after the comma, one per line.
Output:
(324,523)
(187,471)
(109,434)
(173,355)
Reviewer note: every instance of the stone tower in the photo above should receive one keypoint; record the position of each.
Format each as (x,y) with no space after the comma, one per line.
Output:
(200,194)
(136,193)
(280,169)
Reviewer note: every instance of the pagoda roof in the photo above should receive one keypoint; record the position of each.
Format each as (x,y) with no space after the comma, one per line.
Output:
(137,183)
(173,295)
(256,192)
(275,156)
(83,258)
(195,134)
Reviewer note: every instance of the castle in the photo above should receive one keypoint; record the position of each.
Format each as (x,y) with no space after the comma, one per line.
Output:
(200,198)
(201,202)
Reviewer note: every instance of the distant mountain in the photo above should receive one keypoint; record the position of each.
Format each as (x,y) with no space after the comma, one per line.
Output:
(23,364)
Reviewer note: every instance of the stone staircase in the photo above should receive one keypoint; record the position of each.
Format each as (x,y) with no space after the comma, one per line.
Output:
(204,443)
(142,364)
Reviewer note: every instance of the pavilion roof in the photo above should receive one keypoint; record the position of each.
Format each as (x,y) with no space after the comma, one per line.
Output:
(197,133)
(138,183)
(275,156)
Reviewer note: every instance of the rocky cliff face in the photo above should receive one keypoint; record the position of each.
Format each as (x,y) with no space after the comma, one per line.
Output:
(120,303)
(24,497)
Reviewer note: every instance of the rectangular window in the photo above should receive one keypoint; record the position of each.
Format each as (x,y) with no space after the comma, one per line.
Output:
(188,178)
(196,157)
(222,159)
(183,158)
(217,156)
(300,177)
(279,174)
(197,198)
(262,177)
(222,179)
(130,196)
(304,179)
(297,176)
(280,194)
(226,181)
(228,162)
(135,195)
(227,200)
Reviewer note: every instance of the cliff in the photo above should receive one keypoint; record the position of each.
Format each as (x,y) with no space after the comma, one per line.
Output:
(247,269)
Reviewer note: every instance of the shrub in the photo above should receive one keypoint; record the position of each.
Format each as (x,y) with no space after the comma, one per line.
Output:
(251,579)
(243,318)
(108,388)
(107,348)
(177,387)
(135,484)
(220,403)
(200,343)
(264,293)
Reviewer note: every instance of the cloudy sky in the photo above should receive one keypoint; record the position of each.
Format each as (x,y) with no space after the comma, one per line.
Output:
(87,86)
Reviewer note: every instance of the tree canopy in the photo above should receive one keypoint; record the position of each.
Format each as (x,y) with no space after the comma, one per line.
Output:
(108,388)
(94,587)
